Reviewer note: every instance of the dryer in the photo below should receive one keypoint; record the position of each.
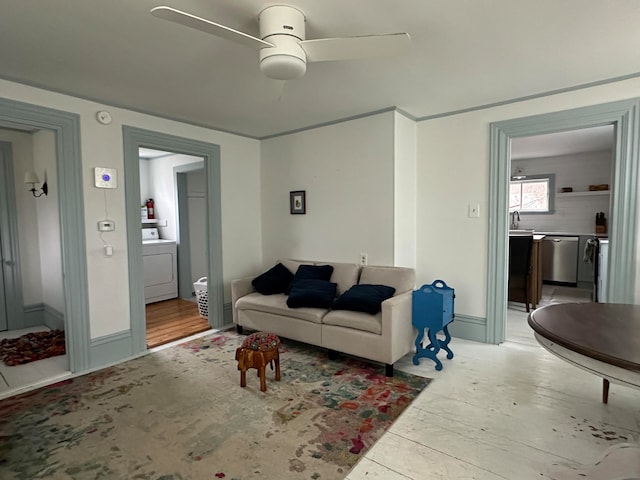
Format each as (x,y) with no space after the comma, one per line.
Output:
(160,266)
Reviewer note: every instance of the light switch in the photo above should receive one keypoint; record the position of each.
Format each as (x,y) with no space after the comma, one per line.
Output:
(474,210)
(106,226)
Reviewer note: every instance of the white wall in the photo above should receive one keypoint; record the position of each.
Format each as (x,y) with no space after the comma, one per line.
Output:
(145,188)
(571,214)
(102,145)
(347,171)
(44,160)
(404,244)
(453,167)
(162,188)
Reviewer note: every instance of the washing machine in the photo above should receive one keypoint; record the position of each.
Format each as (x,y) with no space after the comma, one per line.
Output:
(160,266)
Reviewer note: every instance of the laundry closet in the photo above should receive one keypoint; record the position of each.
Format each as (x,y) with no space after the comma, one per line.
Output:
(172,229)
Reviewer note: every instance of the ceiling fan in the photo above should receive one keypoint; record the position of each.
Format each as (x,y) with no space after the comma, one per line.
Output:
(284,50)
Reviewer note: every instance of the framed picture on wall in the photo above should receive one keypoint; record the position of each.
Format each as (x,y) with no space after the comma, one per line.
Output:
(297,202)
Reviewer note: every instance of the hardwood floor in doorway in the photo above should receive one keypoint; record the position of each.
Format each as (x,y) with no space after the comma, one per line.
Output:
(172,320)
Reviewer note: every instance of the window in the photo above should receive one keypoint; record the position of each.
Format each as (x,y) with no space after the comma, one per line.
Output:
(532,194)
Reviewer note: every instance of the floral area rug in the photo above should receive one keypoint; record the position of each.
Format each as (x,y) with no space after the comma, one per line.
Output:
(180,414)
(31,347)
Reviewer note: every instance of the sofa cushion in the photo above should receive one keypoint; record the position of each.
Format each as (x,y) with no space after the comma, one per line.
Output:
(356,320)
(344,274)
(311,272)
(364,298)
(275,280)
(312,294)
(293,265)
(400,278)
(277,305)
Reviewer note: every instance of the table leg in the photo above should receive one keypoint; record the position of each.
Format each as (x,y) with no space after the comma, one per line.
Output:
(605,390)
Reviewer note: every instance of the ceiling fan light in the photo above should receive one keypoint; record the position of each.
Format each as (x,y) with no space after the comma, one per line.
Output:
(283,67)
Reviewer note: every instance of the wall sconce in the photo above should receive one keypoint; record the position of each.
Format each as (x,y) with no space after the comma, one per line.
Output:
(30,178)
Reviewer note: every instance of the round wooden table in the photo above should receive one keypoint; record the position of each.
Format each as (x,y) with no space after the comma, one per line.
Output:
(603,338)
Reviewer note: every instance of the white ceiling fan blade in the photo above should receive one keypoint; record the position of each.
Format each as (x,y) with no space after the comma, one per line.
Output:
(346,48)
(207,26)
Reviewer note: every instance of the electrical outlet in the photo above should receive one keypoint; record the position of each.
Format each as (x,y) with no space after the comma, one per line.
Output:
(474,210)
(363,259)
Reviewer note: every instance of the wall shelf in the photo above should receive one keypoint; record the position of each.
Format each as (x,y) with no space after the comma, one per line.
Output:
(583,194)
(154,221)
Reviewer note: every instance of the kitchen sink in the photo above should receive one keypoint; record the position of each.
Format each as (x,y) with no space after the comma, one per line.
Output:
(521,232)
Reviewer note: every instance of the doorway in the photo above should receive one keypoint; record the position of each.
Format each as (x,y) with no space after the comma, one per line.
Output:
(66,129)
(134,139)
(173,209)
(559,183)
(32,295)
(622,230)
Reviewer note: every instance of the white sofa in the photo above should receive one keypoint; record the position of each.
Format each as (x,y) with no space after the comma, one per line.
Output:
(383,337)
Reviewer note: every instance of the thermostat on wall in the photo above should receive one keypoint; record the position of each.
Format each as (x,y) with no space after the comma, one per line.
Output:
(105,177)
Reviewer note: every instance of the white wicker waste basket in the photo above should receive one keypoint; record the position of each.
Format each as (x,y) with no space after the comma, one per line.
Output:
(202,296)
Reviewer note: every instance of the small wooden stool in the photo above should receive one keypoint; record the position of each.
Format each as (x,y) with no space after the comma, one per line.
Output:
(258,350)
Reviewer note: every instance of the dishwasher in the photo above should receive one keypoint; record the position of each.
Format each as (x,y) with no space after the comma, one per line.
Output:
(560,260)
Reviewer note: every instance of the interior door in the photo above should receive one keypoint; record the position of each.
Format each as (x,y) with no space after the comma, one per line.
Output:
(11,307)
(5,256)
(3,303)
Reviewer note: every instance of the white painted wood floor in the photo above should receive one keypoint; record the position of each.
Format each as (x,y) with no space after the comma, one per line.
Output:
(19,378)
(512,411)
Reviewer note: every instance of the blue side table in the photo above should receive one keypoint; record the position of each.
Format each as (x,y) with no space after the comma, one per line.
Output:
(432,310)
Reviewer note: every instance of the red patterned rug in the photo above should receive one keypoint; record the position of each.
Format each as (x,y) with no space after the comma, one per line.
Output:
(31,347)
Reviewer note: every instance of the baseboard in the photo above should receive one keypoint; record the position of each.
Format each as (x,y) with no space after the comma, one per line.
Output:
(110,349)
(33,316)
(53,318)
(469,328)
(227,314)
(42,314)
(117,347)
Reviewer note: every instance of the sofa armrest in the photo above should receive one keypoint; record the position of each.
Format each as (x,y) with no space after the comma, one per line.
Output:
(397,323)
(240,288)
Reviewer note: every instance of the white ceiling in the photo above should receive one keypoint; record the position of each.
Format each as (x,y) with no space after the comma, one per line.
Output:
(149,153)
(595,139)
(465,54)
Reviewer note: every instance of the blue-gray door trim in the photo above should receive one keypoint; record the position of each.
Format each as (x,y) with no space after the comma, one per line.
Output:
(623,234)
(133,139)
(66,127)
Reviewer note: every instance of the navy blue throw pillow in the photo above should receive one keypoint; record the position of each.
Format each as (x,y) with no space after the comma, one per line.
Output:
(312,294)
(364,298)
(275,280)
(311,272)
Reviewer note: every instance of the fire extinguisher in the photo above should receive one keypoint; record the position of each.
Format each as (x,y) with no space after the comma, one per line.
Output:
(150,213)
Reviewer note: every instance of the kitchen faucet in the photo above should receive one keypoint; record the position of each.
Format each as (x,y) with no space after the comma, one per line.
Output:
(514,223)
